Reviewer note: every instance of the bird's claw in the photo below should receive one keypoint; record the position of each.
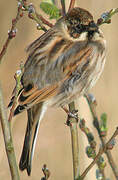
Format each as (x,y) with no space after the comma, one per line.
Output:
(73,114)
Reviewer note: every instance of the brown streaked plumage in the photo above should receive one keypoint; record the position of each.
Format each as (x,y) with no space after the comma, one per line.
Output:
(64,63)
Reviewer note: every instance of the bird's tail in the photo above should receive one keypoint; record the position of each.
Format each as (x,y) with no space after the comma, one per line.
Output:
(35,115)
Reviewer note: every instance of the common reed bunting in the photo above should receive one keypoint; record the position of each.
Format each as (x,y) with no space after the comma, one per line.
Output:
(63,64)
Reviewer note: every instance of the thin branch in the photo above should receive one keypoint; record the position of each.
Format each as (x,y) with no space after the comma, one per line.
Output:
(106,17)
(92,105)
(17,77)
(63,7)
(74,140)
(71,6)
(110,159)
(91,150)
(101,151)
(22,6)
(32,14)
(12,32)
(8,140)
(46,22)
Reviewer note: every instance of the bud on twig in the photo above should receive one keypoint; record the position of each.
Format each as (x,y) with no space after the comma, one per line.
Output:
(12,33)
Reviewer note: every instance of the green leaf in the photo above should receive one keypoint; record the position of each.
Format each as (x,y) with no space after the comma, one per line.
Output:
(50,9)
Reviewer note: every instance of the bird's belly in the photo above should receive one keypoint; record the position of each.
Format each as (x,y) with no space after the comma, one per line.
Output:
(79,84)
(95,75)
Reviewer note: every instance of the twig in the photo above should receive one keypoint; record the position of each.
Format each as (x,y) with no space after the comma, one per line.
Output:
(63,7)
(33,15)
(106,17)
(12,32)
(91,150)
(8,140)
(110,159)
(46,22)
(92,105)
(74,140)
(71,6)
(101,151)
(36,16)
(22,6)
(17,77)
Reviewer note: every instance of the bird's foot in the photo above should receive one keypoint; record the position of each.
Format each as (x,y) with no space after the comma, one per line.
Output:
(72,116)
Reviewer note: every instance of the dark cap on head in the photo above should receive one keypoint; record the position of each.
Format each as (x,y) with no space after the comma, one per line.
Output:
(79,15)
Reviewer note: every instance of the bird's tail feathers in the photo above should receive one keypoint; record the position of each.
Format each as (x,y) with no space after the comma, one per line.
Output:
(35,115)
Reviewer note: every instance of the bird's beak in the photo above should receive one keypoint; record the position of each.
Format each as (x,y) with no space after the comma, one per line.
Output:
(93,27)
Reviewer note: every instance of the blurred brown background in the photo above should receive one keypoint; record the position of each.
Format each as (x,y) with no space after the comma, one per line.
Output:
(54,145)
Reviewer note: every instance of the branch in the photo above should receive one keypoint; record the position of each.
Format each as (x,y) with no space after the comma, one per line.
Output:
(44,21)
(110,159)
(106,17)
(13,102)
(63,7)
(32,14)
(71,6)
(101,151)
(92,105)
(12,32)
(8,140)
(22,6)
(91,150)
(74,140)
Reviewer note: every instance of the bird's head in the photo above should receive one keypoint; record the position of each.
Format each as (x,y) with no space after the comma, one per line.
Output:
(80,24)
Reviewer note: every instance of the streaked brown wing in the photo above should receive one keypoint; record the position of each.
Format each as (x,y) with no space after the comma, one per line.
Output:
(44,38)
(83,56)
(36,95)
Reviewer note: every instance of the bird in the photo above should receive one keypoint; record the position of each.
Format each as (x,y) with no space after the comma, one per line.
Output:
(63,64)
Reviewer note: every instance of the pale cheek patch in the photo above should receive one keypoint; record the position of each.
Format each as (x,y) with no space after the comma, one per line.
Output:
(98,36)
(83,36)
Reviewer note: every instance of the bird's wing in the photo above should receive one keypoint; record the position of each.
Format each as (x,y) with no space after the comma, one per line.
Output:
(34,95)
